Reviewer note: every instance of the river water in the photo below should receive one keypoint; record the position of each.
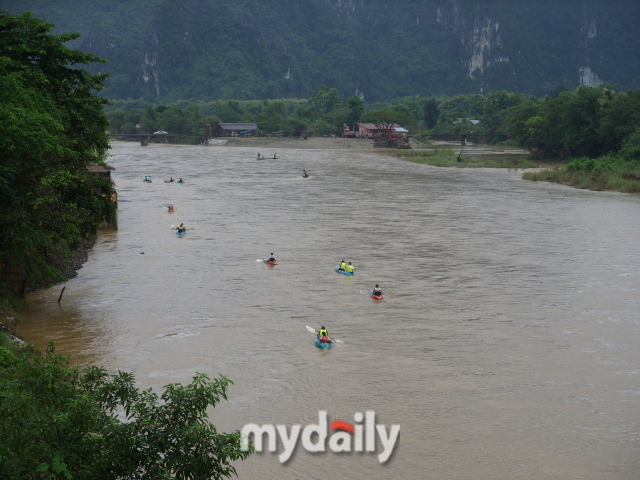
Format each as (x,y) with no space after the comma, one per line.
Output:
(506,346)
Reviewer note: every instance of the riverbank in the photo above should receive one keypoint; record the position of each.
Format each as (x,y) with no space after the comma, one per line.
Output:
(267,145)
(9,322)
(67,264)
(442,154)
(625,181)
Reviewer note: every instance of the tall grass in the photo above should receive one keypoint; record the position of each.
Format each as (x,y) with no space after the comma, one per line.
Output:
(627,180)
(446,157)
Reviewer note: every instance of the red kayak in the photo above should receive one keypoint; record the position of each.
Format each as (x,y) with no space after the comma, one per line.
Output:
(268,262)
(376,297)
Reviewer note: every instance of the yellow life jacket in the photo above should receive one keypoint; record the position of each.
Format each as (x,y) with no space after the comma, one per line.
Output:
(343,266)
(323,333)
(350,268)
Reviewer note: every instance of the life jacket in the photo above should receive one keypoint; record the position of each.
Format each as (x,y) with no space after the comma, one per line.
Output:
(350,268)
(323,333)
(343,266)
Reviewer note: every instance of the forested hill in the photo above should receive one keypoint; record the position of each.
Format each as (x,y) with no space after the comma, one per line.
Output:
(167,50)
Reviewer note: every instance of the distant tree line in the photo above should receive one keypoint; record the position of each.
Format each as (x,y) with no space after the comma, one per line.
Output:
(587,122)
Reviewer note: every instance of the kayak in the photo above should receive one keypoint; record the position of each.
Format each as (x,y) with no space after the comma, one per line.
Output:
(305,176)
(344,272)
(376,297)
(269,263)
(179,182)
(171,211)
(323,345)
(149,180)
(169,181)
(181,233)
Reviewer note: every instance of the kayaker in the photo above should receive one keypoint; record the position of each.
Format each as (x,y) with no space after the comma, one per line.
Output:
(350,268)
(181,228)
(258,156)
(343,265)
(171,208)
(271,258)
(323,335)
(172,180)
(377,291)
(304,173)
(181,181)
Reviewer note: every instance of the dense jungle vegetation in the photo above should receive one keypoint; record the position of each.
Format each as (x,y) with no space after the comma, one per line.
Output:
(57,421)
(166,51)
(53,126)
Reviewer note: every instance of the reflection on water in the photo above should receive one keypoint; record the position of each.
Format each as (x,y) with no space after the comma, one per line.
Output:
(505,347)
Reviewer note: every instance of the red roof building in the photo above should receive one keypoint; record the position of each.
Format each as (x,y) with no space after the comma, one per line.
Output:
(370,130)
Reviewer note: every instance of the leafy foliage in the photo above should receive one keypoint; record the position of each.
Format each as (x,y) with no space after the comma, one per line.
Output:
(53,126)
(431,112)
(587,122)
(62,423)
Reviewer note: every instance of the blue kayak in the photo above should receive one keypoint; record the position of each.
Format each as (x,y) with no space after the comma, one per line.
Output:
(181,233)
(178,182)
(169,181)
(344,272)
(323,345)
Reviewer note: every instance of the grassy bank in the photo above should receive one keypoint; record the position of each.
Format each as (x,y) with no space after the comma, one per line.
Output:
(446,157)
(624,180)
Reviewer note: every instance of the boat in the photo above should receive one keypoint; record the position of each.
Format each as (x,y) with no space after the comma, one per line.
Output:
(181,233)
(148,180)
(344,272)
(323,345)
(305,176)
(179,182)
(169,181)
(266,260)
(171,211)
(376,297)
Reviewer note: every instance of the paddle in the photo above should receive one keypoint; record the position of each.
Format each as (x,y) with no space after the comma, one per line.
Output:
(173,227)
(315,331)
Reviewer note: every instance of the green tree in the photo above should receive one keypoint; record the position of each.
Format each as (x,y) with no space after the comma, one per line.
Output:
(356,109)
(62,423)
(274,114)
(430,113)
(621,119)
(326,99)
(630,150)
(49,197)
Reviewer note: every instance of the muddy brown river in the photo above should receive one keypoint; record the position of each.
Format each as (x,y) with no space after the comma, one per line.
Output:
(506,346)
